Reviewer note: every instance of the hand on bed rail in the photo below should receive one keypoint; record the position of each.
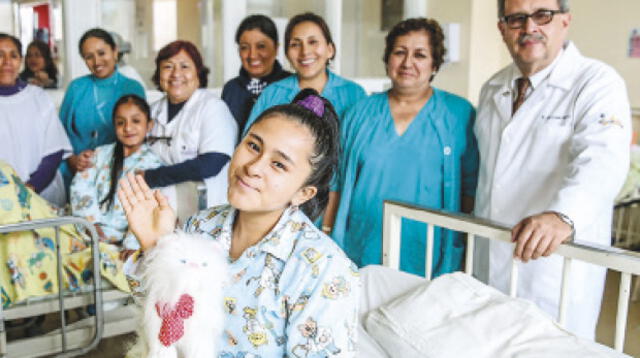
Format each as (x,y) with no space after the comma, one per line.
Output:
(539,235)
(148,212)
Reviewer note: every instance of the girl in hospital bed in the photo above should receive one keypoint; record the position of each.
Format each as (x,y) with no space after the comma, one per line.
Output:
(93,191)
(280,299)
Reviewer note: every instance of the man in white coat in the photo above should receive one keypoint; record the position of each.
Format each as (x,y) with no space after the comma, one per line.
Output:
(553,132)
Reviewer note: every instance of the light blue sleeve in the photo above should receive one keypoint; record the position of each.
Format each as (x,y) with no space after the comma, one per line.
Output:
(326,326)
(263,102)
(83,193)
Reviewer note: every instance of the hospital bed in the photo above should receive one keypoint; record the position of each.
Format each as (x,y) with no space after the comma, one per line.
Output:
(381,286)
(70,339)
(387,294)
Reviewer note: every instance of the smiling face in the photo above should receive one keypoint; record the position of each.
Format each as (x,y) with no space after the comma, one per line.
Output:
(257,52)
(533,47)
(100,58)
(308,51)
(410,64)
(270,166)
(179,77)
(34,59)
(132,125)
(10,60)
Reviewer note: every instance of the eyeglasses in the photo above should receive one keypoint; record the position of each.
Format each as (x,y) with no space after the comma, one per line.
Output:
(540,17)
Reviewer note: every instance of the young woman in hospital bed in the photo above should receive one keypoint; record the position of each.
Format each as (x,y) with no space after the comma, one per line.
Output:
(292,291)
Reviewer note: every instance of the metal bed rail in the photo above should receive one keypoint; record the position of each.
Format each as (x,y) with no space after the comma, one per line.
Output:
(626,262)
(56,223)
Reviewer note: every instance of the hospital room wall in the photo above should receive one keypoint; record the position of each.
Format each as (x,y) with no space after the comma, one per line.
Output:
(480,47)
(6,17)
(481,50)
(603,32)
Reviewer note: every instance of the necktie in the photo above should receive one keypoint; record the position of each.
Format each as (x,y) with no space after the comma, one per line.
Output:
(523,84)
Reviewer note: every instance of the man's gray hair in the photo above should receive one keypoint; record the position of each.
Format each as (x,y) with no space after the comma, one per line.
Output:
(563,5)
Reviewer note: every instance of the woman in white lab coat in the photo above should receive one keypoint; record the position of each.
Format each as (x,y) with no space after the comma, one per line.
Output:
(194,131)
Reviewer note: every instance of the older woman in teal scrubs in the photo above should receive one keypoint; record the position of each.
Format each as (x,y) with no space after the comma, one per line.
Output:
(309,49)
(87,107)
(413,143)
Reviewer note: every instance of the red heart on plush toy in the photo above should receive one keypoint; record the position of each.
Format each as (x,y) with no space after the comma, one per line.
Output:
(172,328)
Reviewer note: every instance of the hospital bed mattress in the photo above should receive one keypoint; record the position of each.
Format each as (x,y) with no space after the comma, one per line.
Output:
(455,316)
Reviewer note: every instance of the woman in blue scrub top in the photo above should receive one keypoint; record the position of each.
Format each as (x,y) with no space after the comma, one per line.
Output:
(309,49)
(87,107)
(413,143)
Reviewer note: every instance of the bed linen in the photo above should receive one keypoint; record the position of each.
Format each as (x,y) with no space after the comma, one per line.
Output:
(458,316)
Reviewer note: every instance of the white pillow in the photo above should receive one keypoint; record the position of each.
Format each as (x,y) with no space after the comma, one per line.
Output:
(458,316)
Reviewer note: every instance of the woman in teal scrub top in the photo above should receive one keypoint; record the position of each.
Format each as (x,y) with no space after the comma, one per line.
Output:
(413,143)
(309,49)
(87,107)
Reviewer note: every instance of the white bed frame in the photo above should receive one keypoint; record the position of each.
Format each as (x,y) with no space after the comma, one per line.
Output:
(626,262)
(77,338)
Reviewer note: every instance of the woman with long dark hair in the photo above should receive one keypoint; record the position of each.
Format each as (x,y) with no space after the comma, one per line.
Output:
(93,191)
(257,39)
(88,103)
(292,292)
(39,68)
(310,49)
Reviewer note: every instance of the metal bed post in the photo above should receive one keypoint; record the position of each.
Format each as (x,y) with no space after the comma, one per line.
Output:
(429,257)
(97,293)
(623,310)
(471,245)
(391,240)
(564,293)
(513,282)
(63,322)
(3,334)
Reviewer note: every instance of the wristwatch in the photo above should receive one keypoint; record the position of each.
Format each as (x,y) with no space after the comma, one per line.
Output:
(567,220)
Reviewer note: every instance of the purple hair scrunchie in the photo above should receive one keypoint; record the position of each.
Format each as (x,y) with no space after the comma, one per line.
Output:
(313,103)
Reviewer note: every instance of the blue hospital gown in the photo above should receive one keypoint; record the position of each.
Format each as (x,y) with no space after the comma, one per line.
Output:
(91,186)
(431,164)
(341,92)
(293,294)
(87,111)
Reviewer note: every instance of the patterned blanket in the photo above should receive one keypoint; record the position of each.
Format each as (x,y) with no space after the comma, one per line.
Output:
(28,258)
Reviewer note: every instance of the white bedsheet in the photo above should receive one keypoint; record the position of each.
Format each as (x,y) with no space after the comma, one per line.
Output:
(379,286)
(456,316)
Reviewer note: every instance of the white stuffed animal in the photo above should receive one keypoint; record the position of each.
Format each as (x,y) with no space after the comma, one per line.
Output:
(183,278)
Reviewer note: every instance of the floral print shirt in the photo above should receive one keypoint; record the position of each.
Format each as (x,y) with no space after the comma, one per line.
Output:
(91,186)
(293,294)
